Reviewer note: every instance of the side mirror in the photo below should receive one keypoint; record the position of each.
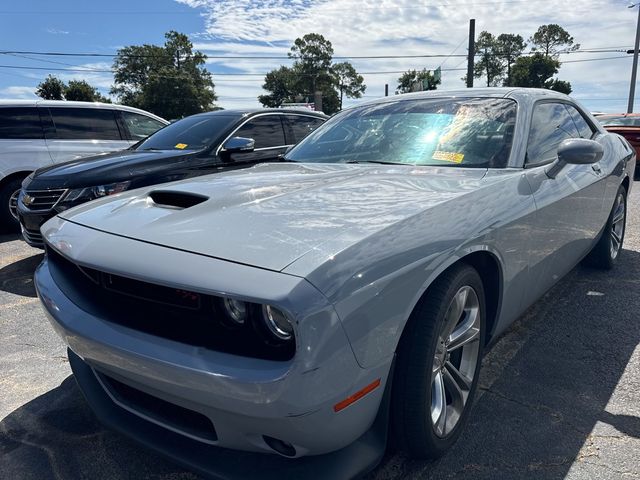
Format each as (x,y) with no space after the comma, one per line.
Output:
(239,144)
(575,151)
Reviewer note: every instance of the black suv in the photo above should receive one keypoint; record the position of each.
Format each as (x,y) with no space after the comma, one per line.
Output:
(197,145)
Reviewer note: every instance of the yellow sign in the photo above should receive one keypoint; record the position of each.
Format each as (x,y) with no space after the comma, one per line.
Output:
(181,146)
(448,156)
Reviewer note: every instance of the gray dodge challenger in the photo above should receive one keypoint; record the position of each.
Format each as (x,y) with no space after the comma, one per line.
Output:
(317,307)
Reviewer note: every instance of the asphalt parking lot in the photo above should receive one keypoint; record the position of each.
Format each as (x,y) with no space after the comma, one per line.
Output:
(560,391)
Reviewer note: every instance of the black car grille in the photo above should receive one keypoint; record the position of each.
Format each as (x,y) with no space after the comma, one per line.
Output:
(42,199)
(173,313)
(166,413)
(33,237)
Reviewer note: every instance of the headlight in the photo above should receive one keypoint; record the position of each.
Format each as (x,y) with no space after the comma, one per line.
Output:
(277,323)
(235,310)
(82,195)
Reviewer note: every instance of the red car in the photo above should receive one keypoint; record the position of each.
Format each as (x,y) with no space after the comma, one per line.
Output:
(627,125)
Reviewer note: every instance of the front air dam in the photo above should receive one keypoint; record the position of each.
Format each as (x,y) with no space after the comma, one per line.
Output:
(353,461)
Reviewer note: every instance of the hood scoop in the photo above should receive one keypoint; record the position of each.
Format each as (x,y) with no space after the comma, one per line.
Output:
(176,200)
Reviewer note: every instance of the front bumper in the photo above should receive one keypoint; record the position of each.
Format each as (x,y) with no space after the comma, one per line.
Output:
(245,399)
(352,461)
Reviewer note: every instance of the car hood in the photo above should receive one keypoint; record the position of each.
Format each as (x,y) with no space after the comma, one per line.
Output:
(272,214)
(105,168)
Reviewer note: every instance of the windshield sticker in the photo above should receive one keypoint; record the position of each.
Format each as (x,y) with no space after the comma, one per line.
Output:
(181,146)
(448,156)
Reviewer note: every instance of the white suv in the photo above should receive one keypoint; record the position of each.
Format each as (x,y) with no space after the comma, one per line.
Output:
(37,133)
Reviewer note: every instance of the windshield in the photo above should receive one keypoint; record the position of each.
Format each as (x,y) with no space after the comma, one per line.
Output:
(462,132)
(191,133)
(619,121)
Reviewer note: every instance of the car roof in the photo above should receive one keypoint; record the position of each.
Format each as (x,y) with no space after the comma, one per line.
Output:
(619,115)
(517,93)
(71,104)
(246,112)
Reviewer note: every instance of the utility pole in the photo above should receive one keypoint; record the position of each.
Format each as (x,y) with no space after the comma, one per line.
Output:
(472,52)
(634,69)
(386,89)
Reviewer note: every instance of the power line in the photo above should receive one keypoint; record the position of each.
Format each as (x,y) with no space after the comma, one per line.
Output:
(297,57)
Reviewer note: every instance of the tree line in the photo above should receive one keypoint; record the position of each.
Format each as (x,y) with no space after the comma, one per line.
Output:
(171,80)
(502,62)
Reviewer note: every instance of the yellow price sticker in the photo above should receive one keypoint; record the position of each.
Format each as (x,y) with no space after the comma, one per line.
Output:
(448,156)
(181,146)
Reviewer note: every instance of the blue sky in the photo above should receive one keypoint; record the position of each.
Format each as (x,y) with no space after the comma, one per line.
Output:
(268,27)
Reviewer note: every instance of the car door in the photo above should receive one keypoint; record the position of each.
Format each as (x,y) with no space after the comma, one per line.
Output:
(76,132)
(268,133)
(568,207)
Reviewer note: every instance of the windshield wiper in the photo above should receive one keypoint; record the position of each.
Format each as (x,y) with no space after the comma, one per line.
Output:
(381,162)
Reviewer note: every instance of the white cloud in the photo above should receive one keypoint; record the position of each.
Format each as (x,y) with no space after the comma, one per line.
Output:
(55,31)
(18,92)
(402,27)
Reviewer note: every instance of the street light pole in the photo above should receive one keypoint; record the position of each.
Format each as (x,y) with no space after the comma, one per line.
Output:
(634,69)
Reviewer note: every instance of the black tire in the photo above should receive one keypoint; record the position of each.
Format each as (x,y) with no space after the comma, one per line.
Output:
(8,223)
(604,255)
(412,427)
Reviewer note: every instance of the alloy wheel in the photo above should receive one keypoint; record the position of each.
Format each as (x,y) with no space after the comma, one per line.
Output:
(13,204)
(455,361)
(617,225)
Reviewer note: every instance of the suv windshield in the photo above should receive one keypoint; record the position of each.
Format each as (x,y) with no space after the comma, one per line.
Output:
(462,132)
(191,133)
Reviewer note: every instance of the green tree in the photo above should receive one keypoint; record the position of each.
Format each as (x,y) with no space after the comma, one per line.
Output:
(537,71)
(51,88)
(80,90)
(313,70)
(282,85)
(509,48)
(490,64)
(552,39)
(169,80)
(410,78)
(312,54)
(348,81)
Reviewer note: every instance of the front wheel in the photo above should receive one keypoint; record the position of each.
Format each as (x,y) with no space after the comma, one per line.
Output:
(437,364)
(607,251)
(9,205)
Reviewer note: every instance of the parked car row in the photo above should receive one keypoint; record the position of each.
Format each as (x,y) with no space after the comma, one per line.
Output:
(197,145)
(39,133)
(308,308)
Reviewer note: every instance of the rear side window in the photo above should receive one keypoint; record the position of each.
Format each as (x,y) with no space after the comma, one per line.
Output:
(303,125)
(140,126)
(20,123)
(550,125)
(266,131)
(583,127)
(84,124)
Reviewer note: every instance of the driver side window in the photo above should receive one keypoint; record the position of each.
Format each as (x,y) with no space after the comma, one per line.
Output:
(266,130)
(550,125)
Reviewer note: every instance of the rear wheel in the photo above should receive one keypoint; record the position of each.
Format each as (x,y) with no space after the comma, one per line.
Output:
(9,205)
(607,251)
(437,364)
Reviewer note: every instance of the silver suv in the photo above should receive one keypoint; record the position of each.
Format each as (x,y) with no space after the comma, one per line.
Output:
(37,133)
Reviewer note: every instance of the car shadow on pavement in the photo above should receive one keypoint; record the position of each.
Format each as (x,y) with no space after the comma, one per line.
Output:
(8,237)
(17,277)
(532,421)
(57,436)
